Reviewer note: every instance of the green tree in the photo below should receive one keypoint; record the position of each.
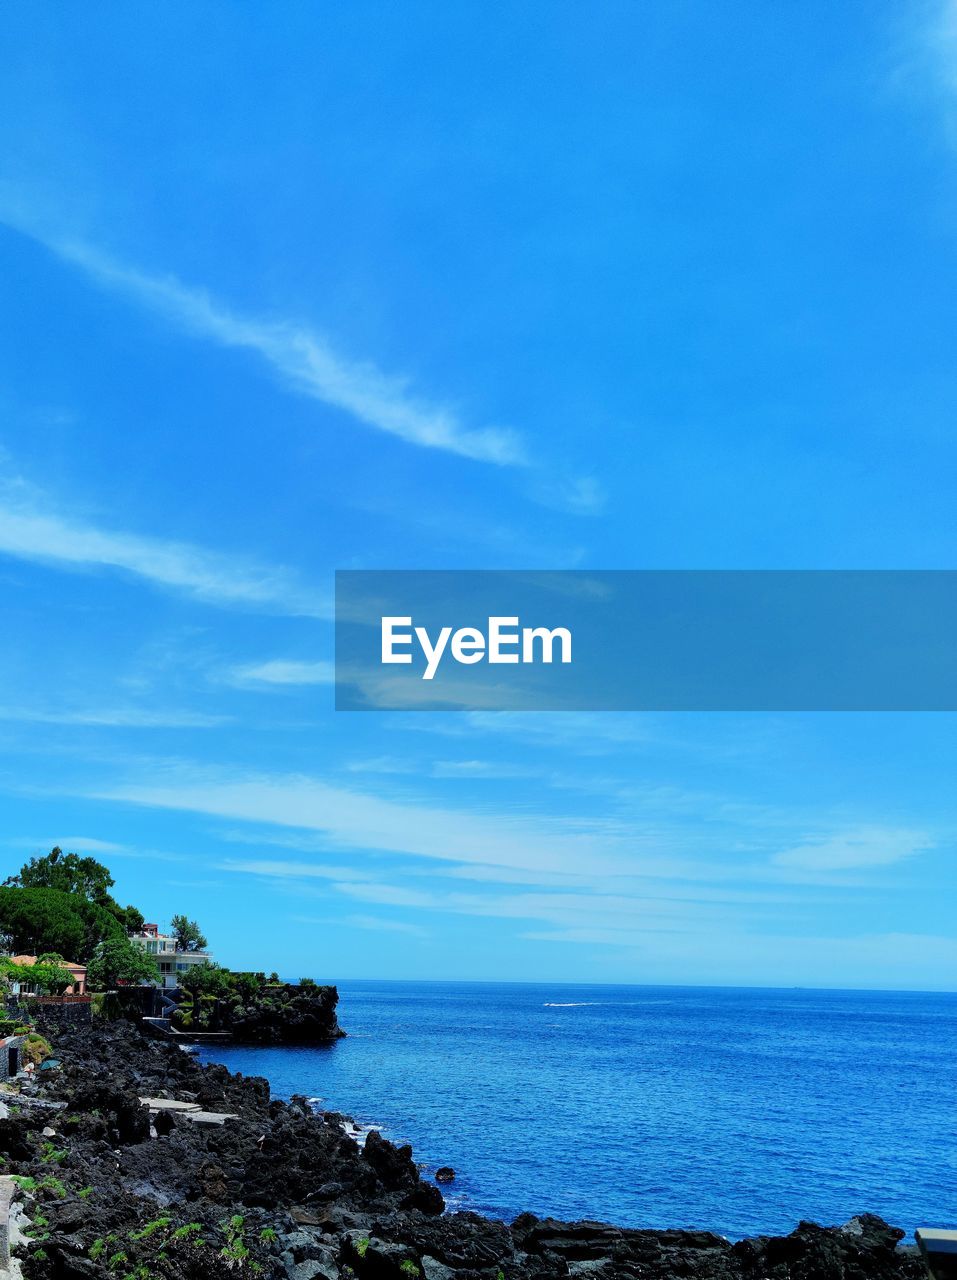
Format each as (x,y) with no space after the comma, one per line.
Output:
(34,921)
(72,874)
(119,961)
(248,985)
(189,936)
(208,979)
(132,919)
(49,975)
(68,873)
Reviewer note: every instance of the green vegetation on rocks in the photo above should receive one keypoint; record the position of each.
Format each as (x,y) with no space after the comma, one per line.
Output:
(256,1008)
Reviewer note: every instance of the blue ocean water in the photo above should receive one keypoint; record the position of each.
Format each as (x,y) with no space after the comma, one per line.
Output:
(737,1110)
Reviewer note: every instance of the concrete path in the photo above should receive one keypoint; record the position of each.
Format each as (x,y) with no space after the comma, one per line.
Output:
(188,1110)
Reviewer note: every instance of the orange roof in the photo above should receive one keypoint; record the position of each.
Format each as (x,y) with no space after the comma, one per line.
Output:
(67,964)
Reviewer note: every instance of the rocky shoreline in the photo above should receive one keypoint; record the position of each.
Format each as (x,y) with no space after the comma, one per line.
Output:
(113,1188)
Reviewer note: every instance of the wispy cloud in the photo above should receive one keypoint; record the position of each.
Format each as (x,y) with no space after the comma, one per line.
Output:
(280,869)
(578,495)
(72,844)
(30,529)
(299,356)
(115,717)
(383,764)
(490,769)
(375,924)
(358,820)
(279,671)
(923,63)
(869,846)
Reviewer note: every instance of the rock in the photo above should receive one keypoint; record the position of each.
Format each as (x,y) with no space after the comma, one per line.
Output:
(312,1204)
(279,1014)
(571,1240)
(132,1121)
(445,1174)
(328,1191)
(432,1269)
(307,1217)
(394,1165)
(164,1123)
(213,1184)
(382,1258)
(424,1197)
(300,1244)
(458,1240)
(313,1269)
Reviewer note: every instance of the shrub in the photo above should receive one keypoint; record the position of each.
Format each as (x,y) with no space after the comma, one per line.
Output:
(34,1049)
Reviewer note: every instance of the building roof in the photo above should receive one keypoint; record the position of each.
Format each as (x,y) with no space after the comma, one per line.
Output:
(67,964)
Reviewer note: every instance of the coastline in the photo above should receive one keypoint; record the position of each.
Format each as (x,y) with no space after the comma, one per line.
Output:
(686,1107)
(230,1177)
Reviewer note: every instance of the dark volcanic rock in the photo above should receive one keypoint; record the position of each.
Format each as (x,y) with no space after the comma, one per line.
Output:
(279,1013)
(394,1165)
(445,1174)
(285,1194)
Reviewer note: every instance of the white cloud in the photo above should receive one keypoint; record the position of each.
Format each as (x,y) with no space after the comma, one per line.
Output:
(71,844)
(938,39)
(115,717)
(578,495)
(867,846)
(383,764)
(354,819)
(30,531)
(302,358)
(387,690)
(284,672)
(375,924)
(924,63)
(492,770)
(278,869)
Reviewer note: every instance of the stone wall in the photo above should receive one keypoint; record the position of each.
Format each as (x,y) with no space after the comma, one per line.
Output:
(7,1188)
(69,1012)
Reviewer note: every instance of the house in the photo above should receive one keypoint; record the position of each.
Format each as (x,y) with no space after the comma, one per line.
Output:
(171,962)
(78,987)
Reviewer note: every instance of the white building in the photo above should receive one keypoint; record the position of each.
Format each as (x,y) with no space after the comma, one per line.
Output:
(171,963)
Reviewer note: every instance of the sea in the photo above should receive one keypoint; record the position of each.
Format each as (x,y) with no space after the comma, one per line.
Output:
(741,1111)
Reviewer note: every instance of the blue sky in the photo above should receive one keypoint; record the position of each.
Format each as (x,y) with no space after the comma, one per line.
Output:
(440,286)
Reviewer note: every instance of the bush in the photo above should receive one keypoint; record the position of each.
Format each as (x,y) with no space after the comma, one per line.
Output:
(34,1049)
(207,979)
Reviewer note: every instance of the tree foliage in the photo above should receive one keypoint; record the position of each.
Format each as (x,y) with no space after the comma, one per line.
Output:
(132,919)
(117,961)
(254,1008)
(68,873)
(49,975)
(189,936)
(207,979)
(38,920)
(83,877)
